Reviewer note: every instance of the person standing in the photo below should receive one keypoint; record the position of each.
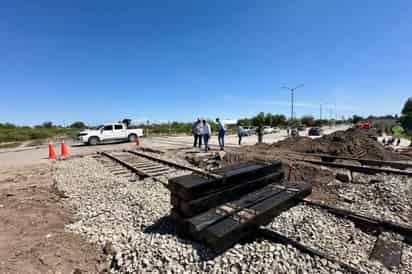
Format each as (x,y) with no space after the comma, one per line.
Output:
(221,134)
(194,132)
(239,133)
(207,132)
(199,132)
(260,134)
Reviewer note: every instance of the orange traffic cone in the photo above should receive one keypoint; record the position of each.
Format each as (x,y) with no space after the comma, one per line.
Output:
(64,150)
(137,141)
(52,153)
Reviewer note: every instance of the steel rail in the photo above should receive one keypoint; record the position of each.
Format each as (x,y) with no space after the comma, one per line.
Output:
(404,230)
(279,238)
(370,162)
(361,169)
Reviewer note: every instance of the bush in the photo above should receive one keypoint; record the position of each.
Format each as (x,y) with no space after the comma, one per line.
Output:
(308,120)
(11,133)
(78,124)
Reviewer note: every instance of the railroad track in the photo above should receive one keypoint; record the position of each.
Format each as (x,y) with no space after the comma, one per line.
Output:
(388,253)
(276,237)
(142,165)
(145,165)
(363,162)
(361,219)
(367,166)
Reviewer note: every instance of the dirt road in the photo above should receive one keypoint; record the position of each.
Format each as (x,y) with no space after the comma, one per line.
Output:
(32,220)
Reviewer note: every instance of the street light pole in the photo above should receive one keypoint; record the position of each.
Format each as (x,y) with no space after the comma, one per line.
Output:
(292,93)
(320,112)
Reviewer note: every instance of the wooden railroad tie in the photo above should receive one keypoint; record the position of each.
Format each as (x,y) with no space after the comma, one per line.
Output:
(222,211)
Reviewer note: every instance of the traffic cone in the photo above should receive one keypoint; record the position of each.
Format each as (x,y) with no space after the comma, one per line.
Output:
(137,141)
(64,150)
(52,153)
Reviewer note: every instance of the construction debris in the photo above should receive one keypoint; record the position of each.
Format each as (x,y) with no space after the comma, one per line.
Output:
(354,142)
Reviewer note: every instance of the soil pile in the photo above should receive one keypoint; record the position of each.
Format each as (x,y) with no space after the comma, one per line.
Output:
(358,143)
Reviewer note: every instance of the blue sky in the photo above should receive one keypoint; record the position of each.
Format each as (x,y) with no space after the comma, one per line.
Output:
(99,61)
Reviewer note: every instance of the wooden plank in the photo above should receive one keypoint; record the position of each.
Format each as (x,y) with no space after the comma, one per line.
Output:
(153,168)
(158,174)
(387,252)
(144,164)
(212,216)
(125,164)
(191,208)
(163,169)
(122,172)
(233,228)
(170,163)
(174,183)
(223,170)
(191,187)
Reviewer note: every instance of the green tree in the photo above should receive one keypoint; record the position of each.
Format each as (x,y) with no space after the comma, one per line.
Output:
(269,119)
(308,120)
(295,122)
(47,124)
(407,108)
(259,120)
(244,122)
(279,120)
(78,124)
(406,118)
(356,119)
(406,122)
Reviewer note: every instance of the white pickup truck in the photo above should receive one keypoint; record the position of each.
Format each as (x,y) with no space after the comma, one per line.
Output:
(109,133)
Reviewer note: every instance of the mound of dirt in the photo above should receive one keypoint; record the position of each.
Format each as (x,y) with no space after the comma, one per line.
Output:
(358,143)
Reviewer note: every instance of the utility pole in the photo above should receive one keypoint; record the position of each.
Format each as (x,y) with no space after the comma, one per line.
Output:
(292,95)
(320,113)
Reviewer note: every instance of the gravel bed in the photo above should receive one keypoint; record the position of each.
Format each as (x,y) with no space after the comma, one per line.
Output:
(335,236)
(130,219)
(406,260)
(387,197)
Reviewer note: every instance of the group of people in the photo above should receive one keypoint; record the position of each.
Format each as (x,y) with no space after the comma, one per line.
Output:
(202,131)
(391,141)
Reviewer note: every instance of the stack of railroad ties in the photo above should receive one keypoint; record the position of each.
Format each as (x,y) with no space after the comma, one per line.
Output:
(229,207)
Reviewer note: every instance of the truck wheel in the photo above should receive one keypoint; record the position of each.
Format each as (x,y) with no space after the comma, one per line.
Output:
(132,138)
(93,141)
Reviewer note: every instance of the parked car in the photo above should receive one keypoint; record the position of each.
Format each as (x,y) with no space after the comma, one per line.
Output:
(315,131)
(109,133)
(248,131)
(268,130)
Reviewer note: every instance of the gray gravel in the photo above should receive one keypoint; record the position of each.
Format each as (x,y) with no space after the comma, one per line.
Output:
(387,197)
(335,236)
(406,260)
(132,216)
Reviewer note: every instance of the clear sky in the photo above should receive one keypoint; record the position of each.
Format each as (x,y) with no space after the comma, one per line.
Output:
(99,61)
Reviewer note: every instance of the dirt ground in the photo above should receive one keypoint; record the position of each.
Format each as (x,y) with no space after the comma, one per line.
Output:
(32,220)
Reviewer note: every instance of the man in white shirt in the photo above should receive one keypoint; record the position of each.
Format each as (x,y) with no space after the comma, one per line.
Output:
(206,132)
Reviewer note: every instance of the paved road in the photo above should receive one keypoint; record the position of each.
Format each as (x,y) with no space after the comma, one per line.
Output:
(19,158)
